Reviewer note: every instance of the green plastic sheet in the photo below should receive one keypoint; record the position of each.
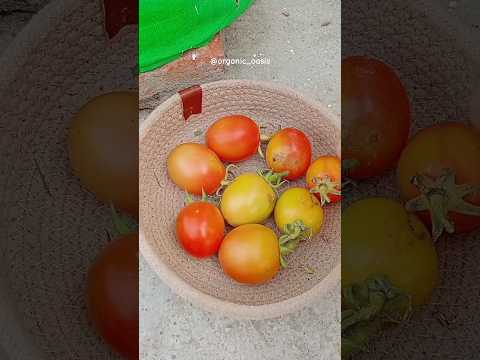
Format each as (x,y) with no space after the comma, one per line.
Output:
(168,28)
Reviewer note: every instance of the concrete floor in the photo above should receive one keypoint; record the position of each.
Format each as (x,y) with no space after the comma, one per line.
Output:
(303,45)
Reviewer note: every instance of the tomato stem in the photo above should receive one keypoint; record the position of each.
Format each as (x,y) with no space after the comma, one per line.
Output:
(260,151)
(441,195)
(275,180)
(121,224)
(367,306)
(325,187)
(227,179)
(189,198)
(292,235)
(349,164)
(265,138)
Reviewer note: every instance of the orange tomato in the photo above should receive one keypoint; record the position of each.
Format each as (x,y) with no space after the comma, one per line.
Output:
(324,179)
(234,138)
(290,151)
(250,254)
(375,117)
(103,148)
(195,168)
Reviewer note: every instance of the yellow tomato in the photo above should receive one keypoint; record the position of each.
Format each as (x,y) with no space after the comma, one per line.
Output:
(103,148)
(249,199)
(379,237)
(299,204)
(250,254)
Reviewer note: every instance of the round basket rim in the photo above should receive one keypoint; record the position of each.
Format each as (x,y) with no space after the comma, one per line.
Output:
(208,302)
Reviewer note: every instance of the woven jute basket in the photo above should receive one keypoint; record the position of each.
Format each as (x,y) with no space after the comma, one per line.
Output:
(437,61)
(52,228)
(313,269)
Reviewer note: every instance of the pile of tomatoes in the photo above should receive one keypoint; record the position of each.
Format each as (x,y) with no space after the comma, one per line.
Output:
(250,253)
(388,251)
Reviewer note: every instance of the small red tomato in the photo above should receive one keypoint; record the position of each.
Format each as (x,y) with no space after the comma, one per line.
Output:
(375,117)
(290,151)
(113,295)
(324,179)
(195,168)
(200,229)
(234,138)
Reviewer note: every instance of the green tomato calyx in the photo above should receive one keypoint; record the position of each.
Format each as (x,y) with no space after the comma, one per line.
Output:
(275,180)
(213,199)
(367,307)
(292,235)
(347,166)
(123,225)
(441,195)
(325,187)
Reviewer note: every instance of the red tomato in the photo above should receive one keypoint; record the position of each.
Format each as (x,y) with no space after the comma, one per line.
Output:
(290,151)
(113,295)
(375,117)
(439,174)
(194,167)
(200,229)
(250,254)
(234,138)
(324,179)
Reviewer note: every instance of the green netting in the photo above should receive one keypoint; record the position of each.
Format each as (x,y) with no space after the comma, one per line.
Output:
(168,28)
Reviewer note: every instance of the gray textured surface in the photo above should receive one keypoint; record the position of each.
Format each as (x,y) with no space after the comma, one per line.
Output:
(306,56)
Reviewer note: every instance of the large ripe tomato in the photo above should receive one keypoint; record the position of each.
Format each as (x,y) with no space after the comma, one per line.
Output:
(375,117)
(113,295)
(234,138)
(200,229)
(380,238)
(324,179)
(249,199)
(250,254)
(289,150)
(299,204)
(195,168)
(103,148)
(439,173)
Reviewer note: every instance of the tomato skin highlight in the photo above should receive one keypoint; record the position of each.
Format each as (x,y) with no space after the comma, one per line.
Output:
(447,145)
(249,199)
(234,138)
(289,150)
(250,254)
(299,204)
(112,299)
(326,168)
(200,229)
(376,116)
(379,237)
(103,148)
(194,167)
